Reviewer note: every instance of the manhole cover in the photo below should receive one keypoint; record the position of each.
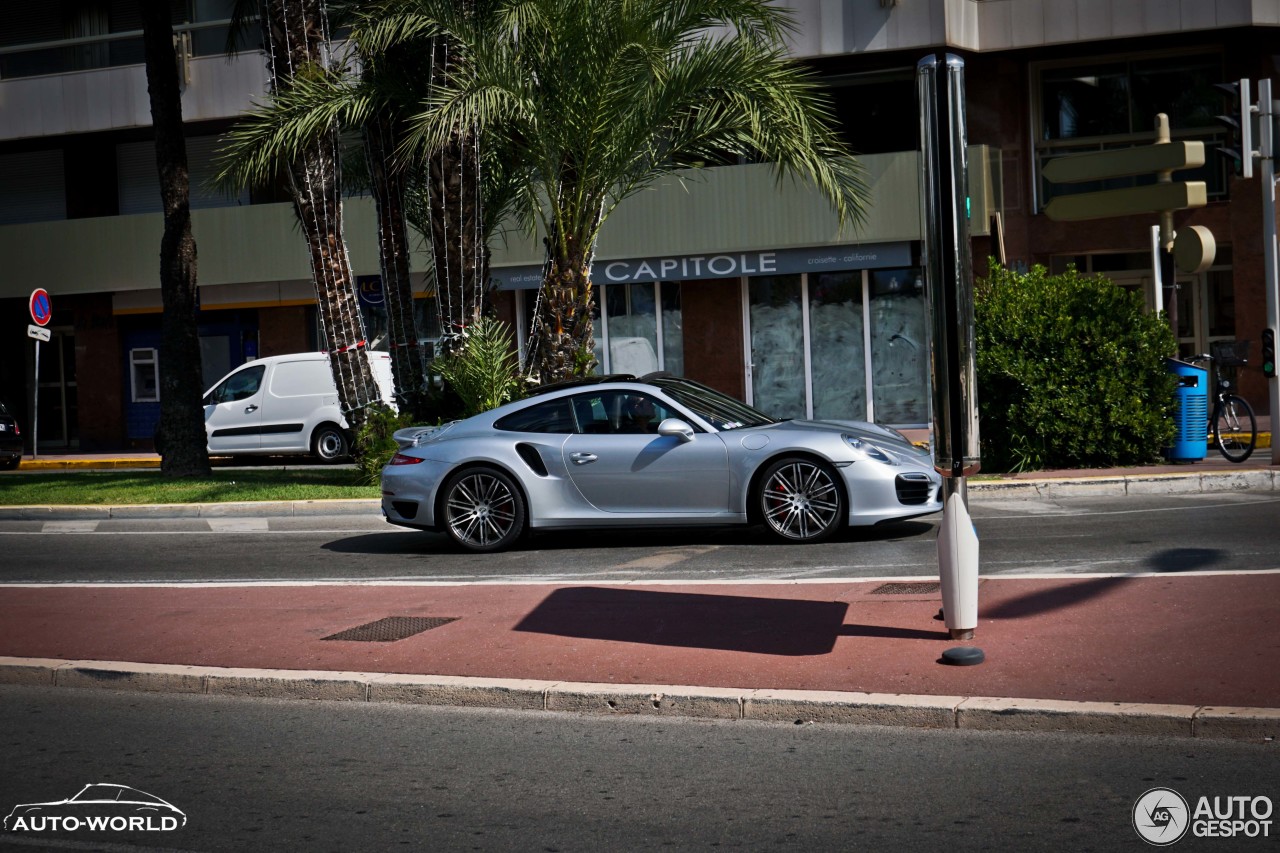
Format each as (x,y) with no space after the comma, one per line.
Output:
(391,628)
(922,588)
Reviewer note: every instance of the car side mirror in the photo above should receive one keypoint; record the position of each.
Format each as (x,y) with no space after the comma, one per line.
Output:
(676,427)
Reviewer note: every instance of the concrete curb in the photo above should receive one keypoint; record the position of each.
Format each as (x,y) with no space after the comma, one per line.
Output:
(1129,484)
(245,509)
(974,713)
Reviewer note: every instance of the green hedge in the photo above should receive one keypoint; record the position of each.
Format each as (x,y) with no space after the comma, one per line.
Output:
(1071,372)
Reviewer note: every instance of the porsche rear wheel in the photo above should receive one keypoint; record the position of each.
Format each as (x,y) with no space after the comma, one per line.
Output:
(483,510)
(800,500)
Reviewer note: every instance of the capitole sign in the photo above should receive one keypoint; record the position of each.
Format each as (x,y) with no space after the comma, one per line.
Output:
(724,265)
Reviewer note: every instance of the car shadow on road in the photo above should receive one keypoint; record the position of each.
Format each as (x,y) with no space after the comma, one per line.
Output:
(769,626)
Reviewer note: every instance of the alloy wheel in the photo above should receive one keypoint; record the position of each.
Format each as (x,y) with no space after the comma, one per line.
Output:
(483,512)
(800,500)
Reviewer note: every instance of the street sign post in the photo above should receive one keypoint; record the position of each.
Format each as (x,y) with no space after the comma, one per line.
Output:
(41,308)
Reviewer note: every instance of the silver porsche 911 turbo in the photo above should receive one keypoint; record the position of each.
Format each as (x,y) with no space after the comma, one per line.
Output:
(658,451)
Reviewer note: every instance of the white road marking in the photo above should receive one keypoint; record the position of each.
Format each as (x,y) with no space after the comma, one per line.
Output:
(562,581)
(77,526)
(237,525)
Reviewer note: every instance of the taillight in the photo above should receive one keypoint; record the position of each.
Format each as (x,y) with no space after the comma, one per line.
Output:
(401,459)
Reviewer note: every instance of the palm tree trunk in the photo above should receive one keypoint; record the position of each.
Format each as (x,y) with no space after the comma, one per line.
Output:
(565,343)
(407,364)
(460,253)
(296,37)
(184,449)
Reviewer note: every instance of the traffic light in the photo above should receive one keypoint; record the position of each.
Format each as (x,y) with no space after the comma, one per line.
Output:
(1239,122)
(1268,353)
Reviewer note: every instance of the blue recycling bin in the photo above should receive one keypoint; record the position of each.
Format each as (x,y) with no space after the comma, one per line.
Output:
(1190,412)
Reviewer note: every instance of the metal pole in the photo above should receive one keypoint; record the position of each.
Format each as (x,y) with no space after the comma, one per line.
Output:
(35,407)
(948,265)
(1157,277)
(1267,110)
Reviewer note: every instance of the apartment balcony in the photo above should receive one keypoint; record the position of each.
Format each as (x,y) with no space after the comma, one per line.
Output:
(98,83)
(834,27)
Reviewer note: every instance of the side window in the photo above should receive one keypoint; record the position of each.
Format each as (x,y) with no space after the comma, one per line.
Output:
(240,386)
(640,413)
(553,416)
(620,413)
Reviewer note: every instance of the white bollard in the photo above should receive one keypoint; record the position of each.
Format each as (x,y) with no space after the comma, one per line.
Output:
(958,562)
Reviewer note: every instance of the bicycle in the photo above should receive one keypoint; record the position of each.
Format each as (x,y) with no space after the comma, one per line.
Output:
(1231,426)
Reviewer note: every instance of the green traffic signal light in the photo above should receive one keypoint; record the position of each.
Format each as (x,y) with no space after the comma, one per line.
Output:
(1268,353)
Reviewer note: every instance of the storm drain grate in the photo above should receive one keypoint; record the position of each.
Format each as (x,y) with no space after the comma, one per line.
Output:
(921,588)
(391,628)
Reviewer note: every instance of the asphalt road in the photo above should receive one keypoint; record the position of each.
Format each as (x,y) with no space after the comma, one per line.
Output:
(1203,532)
(320,776)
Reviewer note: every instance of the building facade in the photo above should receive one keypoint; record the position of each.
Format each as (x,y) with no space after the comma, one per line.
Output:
(726,276)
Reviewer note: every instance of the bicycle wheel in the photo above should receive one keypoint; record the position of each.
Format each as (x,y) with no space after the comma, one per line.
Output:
(1234,429)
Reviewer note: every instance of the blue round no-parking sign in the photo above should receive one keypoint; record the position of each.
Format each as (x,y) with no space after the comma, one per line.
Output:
(41,310)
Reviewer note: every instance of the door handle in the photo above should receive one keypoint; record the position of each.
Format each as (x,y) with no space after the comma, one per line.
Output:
(583,458)
(250,408)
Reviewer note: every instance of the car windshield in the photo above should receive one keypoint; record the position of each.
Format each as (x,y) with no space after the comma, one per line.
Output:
(720,410)
(98,792)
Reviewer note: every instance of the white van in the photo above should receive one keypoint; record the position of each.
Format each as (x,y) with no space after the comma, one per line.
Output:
(284,404)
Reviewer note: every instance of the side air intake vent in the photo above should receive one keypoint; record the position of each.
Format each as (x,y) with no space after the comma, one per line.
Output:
(532,458)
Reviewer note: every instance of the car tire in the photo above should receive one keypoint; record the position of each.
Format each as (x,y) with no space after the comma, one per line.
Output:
(11,464)
(801,500)
(482,510)
(329,444)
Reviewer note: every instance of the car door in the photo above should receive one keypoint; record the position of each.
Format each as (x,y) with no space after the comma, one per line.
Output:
(232,410)
(619,463)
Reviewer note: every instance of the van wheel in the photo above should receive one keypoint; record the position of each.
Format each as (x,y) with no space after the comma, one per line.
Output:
(329,444)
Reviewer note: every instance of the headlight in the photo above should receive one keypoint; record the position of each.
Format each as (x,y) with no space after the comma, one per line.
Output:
(865,450)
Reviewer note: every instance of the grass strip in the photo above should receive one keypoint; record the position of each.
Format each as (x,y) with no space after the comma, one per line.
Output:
(104,488)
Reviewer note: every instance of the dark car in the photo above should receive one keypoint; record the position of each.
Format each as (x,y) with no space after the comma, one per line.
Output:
(10,439)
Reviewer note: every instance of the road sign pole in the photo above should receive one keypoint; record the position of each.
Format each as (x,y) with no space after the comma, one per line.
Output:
(35,406)
(1267,111)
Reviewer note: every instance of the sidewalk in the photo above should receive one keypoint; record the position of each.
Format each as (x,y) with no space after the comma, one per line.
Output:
(1172,654)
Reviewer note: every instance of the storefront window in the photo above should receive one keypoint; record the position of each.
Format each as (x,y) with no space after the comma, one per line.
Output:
(837,346)
(672,329)
(633,329)
(899,347)
(812,337)
(777,346)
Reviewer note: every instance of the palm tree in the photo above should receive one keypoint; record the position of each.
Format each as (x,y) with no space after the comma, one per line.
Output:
(295,35)
(181,435)
(440,194)
(598,99)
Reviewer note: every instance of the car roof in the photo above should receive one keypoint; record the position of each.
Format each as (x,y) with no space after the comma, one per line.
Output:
(588,381)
